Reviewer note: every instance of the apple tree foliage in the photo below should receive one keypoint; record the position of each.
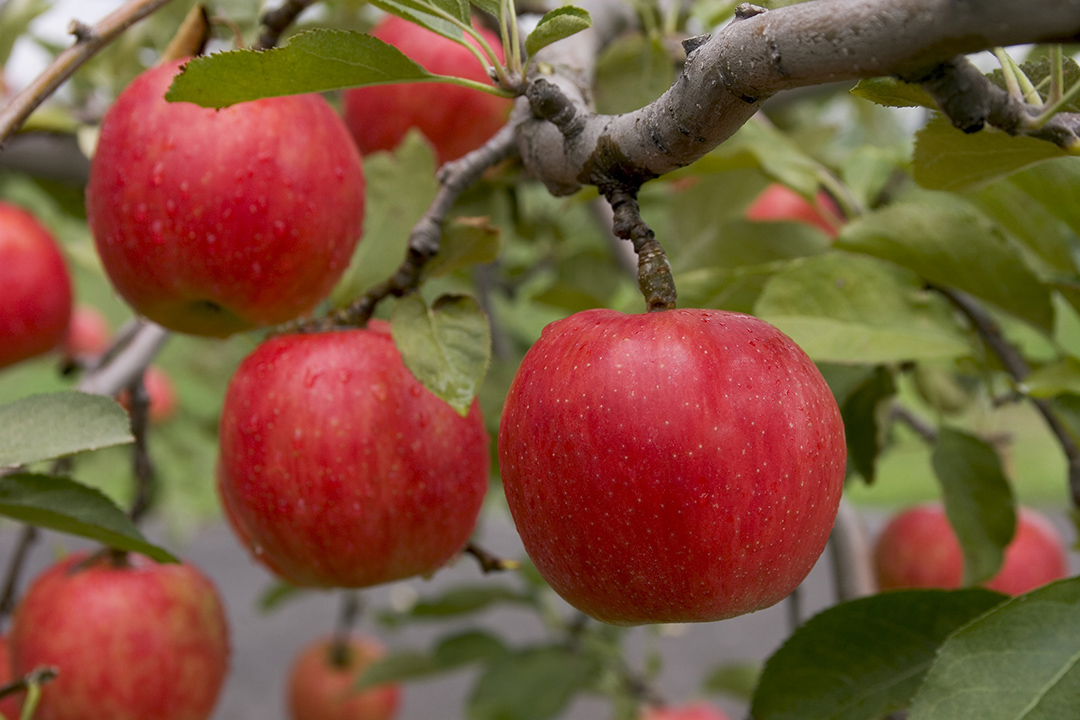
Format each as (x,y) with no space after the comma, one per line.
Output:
(945,316)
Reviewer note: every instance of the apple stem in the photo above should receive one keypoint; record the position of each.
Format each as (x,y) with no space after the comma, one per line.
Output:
(654,270)
(276,21)
(489,562)
(37,676)
(350,612)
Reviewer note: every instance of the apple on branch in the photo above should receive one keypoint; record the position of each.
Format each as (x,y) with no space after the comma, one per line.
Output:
(919,549)
(780,203)
(322,678)
(36,288)
(692,711)
(161,392)
(216,221)
(131,638)
(88,333)
(455,119)
(676,466)
(339,469)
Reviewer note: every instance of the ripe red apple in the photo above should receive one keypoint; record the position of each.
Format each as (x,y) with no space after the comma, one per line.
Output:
(338,468)
(677,466)
(161,392)
(779,202)
(10,706)
(216,221)
(88,333)
(321,684)
(918,548)
(132,639)
(455,119)
(693,711)
(35,287)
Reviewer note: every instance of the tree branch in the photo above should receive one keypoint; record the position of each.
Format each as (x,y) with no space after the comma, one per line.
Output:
(728,76)
(853,572)
(89,40)
(276,21)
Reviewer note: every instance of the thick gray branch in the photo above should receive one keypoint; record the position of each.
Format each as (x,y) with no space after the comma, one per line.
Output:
(727,77)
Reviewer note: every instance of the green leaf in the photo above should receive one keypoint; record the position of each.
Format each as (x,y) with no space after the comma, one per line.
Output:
(466,599)
(447,346)
(15,18)
(425,14)
(865,414)
(978,501)
(533,684)
(742,243)
(1020,660)
(452,652)
(1038,72)
(398,666)
(631,72)
(864,659)
(737,679)
(892,92)
(312,61)
(468,647)
(949,159)
(1055,185)
(399,188)
(555,25)
(465,241)
(857,310)
(1054,379)
(63,505)
(43,427)
(951,244)
(278,595)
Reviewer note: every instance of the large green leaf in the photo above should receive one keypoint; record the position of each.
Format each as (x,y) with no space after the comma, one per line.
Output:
(466,241)
(738,243)
(1055,378)
(863,659)
(460,600)
(533,684)
(312,61)
(399,188)
(951,244)
(1020,660)
(437,15)
(1056,186)
(850,309)
(1032,220)
(562,22)
(631,72)
(451,652)
(61,504)
(43,427)
(948,159)
(978,501)
(864,412)
(446,346)
(891,92)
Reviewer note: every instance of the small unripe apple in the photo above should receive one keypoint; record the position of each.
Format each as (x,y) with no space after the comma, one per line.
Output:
(338,468)
(35,288)
(131,638)
(322,678)
(455,119)
(88,333)
(216,221)
(676,466)
(161,393)
(693,711)
(779,202)
(918,548)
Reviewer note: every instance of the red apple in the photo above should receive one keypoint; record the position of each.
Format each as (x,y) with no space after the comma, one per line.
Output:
(918,548)
(693,711)
(455,119)
(338,468)
(10,706)
(321,684)
(779,202)
(131,638)
(88,333)
(161,392)
(216,221)
(677,466)
(36,288)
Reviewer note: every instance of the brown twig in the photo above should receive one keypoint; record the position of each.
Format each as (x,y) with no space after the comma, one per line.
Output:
(654,270)
(489,562)
(143,465)
(922,428)
(1017,367)
(276,21)
(37,676)
(350,612)
(27,538)
(89,40)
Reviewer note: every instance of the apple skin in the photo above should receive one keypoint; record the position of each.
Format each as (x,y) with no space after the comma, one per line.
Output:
(160,390)
(339,469)
(676,466)
(88,333)
(137,641)
(779,203)
(455,119)
(918,549)
(321,690)
(211,222)
(693,711)
(36,286)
